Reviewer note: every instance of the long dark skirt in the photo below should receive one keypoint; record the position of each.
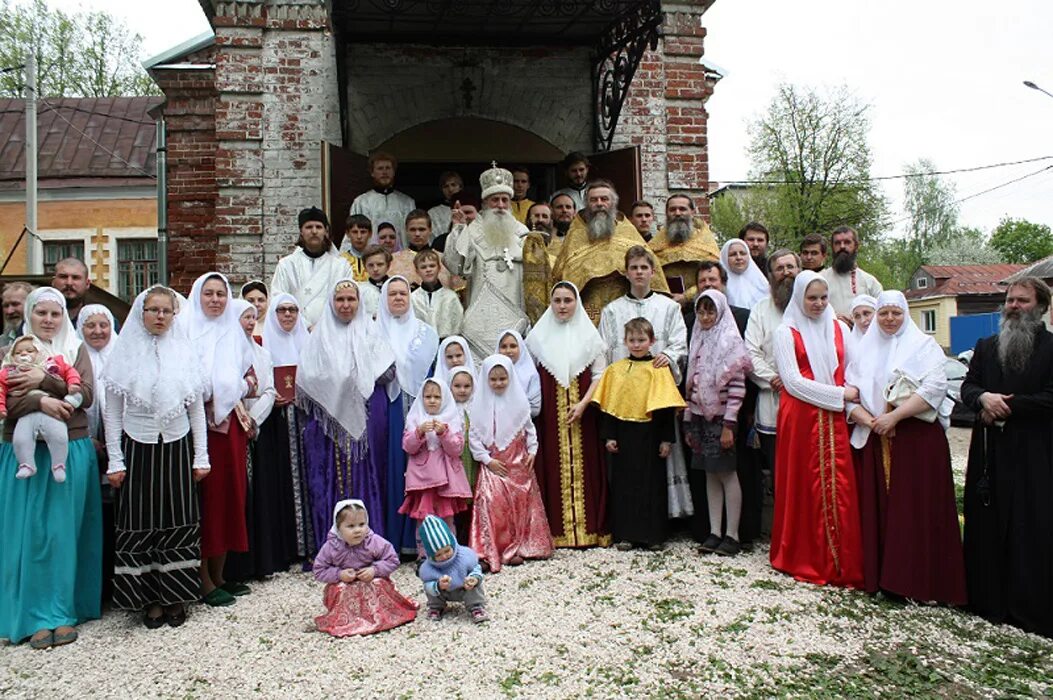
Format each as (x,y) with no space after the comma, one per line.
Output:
(223,493)
(912,544)
(271,504)
(639,488)
(158,542)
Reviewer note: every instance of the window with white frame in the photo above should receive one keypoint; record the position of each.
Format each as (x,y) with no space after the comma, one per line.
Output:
(136,266)
(928,321)
(921,283)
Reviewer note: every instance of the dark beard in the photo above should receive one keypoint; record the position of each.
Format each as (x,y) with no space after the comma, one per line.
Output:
(547,229)
(561,228)
(761,261)
(678,229)
(781,292)
(599,224)
(844,262)
(1016,339)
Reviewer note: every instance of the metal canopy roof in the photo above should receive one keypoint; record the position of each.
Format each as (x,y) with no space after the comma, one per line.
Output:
(480,22)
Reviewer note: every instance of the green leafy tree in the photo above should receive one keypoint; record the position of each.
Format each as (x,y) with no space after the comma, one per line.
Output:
(930,205)
(83,54)
(965,246)
(734,208)
(814,146)
(1021,241)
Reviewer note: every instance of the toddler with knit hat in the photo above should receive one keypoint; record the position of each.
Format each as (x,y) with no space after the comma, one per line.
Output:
(451,572)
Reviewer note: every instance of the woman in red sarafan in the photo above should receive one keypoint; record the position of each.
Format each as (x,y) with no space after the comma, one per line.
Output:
(816,529)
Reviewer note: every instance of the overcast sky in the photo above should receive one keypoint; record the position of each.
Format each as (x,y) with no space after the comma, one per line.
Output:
(944,78)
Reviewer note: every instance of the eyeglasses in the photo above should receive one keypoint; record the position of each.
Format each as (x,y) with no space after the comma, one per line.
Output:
(287,310)
(157,311)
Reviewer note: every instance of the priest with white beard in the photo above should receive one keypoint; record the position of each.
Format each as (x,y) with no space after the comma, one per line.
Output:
(313,269)
(489,253)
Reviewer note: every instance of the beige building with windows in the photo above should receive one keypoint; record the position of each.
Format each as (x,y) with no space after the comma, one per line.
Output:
(97,196)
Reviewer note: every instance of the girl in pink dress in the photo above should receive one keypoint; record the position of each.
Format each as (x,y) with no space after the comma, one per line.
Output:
(508,519)
(355,563)
(433,440)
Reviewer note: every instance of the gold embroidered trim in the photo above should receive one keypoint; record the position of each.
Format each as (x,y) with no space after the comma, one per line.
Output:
(828,485)
(572,475)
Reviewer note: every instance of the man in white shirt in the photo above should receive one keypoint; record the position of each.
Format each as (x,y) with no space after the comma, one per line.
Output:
(313,269)
(845,280)
(765,317)
(383,202)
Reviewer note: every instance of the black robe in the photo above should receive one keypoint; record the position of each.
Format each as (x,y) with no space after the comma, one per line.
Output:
(1009,491)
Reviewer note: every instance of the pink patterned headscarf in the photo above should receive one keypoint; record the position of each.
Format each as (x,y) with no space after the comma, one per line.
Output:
(715,356)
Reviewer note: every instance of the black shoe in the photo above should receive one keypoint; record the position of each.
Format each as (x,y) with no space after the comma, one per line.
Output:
(152,623)
(729,547)
(711,544)
(177,617)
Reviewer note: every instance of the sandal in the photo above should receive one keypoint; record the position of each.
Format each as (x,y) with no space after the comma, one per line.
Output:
(45,642)
(236,589)
(65,637)
(435,614)
(217,598)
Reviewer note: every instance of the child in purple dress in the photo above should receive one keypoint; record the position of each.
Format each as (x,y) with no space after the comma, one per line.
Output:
(355,564)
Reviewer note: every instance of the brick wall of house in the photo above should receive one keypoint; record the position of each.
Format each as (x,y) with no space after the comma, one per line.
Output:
(665,114)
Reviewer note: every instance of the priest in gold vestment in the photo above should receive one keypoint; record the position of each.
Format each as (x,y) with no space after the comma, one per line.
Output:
(593,255)
(681,245)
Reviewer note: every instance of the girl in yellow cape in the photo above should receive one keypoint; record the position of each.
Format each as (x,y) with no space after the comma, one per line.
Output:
(639,403)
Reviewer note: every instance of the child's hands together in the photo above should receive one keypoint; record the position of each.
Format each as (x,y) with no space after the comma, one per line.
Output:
(366,574)
(347,575)
(470,583)
(444,583)
(438,426)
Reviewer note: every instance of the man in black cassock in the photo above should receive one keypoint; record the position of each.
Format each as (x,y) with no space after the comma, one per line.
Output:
(1009,482)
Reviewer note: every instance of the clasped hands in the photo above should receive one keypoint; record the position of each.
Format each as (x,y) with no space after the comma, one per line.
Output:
(352,575)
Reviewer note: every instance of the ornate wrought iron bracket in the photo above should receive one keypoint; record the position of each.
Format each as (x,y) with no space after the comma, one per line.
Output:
(617,56)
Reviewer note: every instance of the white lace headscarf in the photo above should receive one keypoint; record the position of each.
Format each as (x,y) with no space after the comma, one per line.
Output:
(817,333)
(744,288)
(413,342)
(339,368)
(99,358)
(65,342)
(158,373)
(444,373)
(222,346)
(285,347)
(449,413)
(716,355)
(564,348)
(498,418)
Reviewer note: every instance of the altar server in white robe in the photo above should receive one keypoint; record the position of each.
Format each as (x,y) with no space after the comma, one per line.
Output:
(383,203)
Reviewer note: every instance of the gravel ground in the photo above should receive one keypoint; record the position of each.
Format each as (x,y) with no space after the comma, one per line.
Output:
(595,623)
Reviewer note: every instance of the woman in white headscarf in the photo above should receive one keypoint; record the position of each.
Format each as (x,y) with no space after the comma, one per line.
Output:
(911,538)
(747,283)
(270,511)
(571,356)
(285,336)
(210,322)
(815,531)
(157,444)
(414,345)
(341,386)
(96,326)
(52,532)
(453,353)
(863,308)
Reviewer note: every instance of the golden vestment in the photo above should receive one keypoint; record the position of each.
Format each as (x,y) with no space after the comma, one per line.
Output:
(631,390)
(682,259)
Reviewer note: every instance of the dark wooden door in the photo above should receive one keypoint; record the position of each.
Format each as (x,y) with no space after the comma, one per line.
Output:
(622,167)
(345,175)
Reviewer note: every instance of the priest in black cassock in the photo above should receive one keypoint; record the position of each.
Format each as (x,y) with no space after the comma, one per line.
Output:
(1009,482)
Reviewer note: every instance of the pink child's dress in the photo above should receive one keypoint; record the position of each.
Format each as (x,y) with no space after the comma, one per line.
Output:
(435,479)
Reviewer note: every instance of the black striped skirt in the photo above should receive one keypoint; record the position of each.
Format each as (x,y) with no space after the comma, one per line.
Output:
(157,520)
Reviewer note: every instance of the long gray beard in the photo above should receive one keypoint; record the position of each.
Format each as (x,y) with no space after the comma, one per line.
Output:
(1016,340)
(499,230)
(678,229)
(781,292)
(600,225)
